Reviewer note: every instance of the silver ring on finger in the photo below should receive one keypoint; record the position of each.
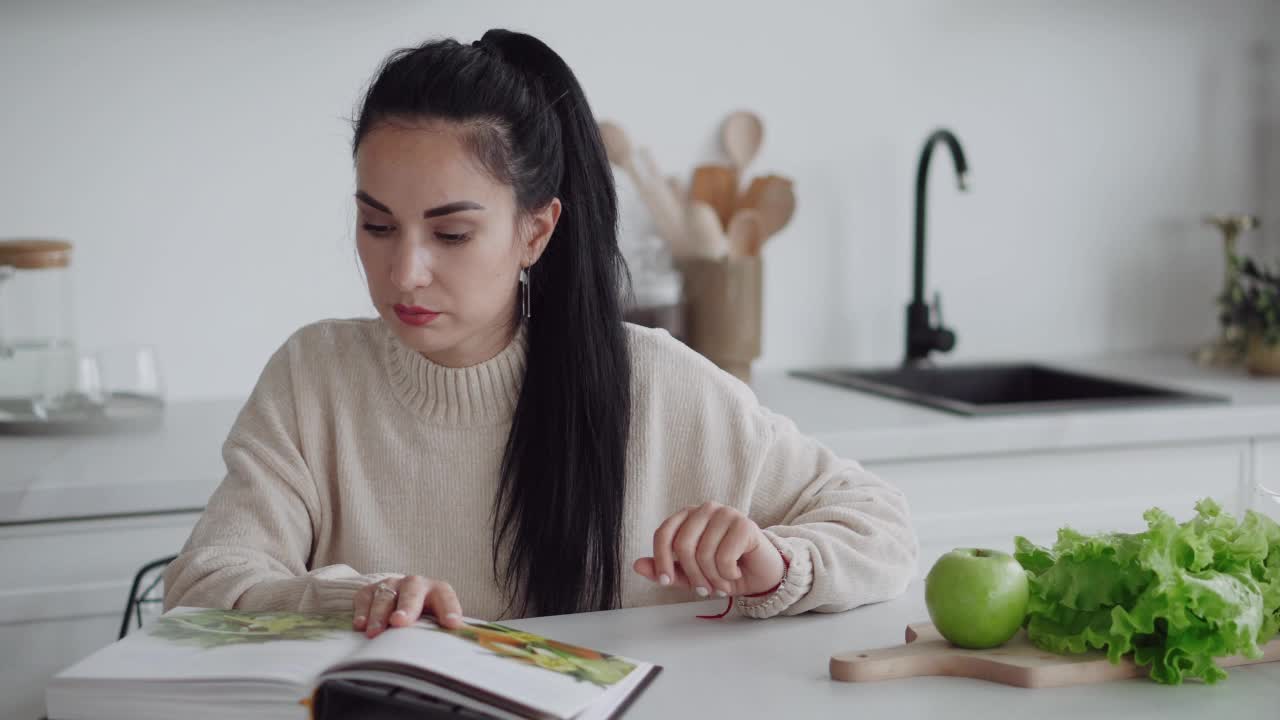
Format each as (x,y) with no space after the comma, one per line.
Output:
(385,590)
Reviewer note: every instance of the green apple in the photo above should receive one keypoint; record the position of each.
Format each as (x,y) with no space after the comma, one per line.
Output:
(977,598)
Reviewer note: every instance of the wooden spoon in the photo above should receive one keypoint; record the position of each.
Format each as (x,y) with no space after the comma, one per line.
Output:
(774,196)
(617,145)
(667,193)
(741,134)
(746,233)
(667,214)
(707,238)
(717,186)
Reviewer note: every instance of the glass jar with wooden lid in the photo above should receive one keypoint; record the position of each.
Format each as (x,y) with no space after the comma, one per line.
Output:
(37,328)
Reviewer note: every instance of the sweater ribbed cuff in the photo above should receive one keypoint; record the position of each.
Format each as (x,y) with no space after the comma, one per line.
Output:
(338,595)
(329,590)
(798,582)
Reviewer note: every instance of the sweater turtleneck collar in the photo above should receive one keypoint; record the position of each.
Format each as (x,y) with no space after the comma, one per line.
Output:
(482,394)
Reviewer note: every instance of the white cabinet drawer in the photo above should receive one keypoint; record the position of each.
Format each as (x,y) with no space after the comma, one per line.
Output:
(74,569)
(36,651)
(64,591)
(986,501)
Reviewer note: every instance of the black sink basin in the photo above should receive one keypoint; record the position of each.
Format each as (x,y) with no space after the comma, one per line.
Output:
(1003,389)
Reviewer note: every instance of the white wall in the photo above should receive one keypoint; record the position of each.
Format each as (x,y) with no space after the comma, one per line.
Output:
(199,157)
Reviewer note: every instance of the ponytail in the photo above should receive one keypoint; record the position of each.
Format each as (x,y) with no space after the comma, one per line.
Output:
(564,471)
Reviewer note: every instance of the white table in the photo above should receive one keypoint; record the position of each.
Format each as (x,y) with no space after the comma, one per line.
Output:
(777,668)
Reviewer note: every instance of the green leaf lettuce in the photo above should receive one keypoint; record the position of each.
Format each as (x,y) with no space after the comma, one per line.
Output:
(1176,596)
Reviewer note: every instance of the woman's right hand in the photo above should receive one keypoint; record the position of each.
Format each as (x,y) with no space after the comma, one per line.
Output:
(400,601)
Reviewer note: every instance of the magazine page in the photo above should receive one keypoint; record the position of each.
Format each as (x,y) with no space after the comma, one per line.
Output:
(526,673)
(205,644)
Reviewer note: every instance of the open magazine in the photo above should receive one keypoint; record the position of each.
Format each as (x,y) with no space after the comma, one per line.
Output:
(196,663)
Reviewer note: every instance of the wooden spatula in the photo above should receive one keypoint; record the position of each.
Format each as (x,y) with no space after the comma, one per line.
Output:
(717,186)
(746,234)
(774,197)
(1017,662)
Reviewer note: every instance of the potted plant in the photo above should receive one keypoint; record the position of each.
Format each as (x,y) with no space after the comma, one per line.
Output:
(1252,303)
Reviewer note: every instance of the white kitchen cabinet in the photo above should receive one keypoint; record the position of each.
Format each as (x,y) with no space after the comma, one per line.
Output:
(65,588)
(985,501)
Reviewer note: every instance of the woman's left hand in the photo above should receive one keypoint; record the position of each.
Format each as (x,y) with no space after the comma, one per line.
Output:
(712,548)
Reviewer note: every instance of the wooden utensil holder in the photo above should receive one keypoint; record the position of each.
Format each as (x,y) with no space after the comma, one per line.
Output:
(723,304)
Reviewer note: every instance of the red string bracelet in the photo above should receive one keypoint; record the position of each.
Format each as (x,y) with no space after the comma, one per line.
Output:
(786,565)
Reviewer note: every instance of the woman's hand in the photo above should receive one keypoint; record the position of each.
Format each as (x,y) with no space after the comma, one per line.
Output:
(712,548)
(399,602)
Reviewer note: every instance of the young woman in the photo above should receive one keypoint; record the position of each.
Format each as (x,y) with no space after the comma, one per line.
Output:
(498,441)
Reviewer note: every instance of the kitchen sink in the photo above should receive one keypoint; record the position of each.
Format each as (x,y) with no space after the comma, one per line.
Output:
(1004,389)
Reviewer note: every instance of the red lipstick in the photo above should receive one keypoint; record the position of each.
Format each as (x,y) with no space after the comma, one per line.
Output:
(414,315)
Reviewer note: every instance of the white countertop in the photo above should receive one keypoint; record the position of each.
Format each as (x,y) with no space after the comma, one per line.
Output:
(870,428)
(179,465)
(175,467)
(777,668)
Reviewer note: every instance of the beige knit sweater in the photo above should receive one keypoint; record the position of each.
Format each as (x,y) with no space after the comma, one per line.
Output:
(355,457)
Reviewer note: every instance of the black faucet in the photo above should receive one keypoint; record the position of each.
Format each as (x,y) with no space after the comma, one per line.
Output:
(922,336)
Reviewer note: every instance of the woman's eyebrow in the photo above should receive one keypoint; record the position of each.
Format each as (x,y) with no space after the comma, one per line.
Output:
(452,207)
(445,209)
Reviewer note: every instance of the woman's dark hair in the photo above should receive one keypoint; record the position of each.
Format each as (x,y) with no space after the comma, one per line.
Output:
(523,116)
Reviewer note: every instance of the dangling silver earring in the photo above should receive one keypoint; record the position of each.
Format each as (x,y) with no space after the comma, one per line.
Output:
(524,293)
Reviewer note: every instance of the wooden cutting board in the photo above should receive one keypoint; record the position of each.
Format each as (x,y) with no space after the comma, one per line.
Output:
(1017,662)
